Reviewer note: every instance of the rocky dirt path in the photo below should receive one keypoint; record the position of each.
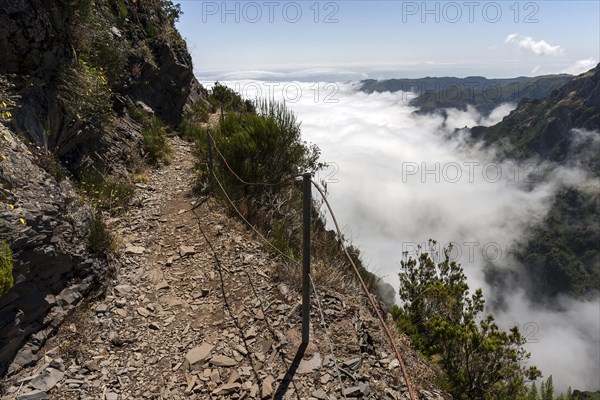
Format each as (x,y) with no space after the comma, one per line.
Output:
(177,324)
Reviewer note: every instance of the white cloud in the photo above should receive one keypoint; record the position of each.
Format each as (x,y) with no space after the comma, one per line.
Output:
(563,343)
(540,47)
(581,66)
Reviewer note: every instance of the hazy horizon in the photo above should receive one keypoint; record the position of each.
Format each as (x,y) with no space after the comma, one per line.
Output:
(319,75)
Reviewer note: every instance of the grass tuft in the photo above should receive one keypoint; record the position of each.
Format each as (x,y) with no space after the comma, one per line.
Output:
(6,268)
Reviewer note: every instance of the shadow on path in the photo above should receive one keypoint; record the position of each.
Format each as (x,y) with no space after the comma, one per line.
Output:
(289,375)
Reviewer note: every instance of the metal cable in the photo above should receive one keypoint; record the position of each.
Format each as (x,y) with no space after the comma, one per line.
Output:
(220,269)
(250,225)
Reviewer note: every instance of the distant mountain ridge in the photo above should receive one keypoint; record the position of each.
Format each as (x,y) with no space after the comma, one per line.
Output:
(543,127)
(438,93)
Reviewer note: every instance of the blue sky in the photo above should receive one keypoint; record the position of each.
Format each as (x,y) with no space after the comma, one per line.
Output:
(332,40)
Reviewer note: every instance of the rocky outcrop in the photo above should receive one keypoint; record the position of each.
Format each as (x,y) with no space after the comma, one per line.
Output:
(161,87)
(33,38)
(40,41)
(47,229)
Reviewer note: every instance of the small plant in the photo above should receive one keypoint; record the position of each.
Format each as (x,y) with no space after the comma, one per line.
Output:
(51,165)
(198,113)
(172,11)
(122,9)
(7,99)
(107,193)
(6,268)
(155,142)
(143,53)
(84,93)
(154,134)
(193,132)
(140,178)
(100,239)
(81,10)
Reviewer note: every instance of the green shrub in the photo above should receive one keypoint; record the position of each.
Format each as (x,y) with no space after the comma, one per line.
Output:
(154,134)
(143,53)
(107,193)
(262,147)
(445,321)
(84,94)
(90,34)
(122,9)
(192,131)
(100,239)
(222,96)
(155,142)
(101,50)
(198,113)
(172,11)
(262,143)
(6,268)
(81,10)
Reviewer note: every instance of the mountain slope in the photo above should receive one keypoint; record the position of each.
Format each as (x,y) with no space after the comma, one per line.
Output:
(543,127)
(562,255)
(121,296)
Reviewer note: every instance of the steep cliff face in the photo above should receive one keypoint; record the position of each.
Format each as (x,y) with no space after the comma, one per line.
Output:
(76,63)
(74,69)
(46,227)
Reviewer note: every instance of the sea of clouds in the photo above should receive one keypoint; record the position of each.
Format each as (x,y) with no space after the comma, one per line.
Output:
(397,179)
